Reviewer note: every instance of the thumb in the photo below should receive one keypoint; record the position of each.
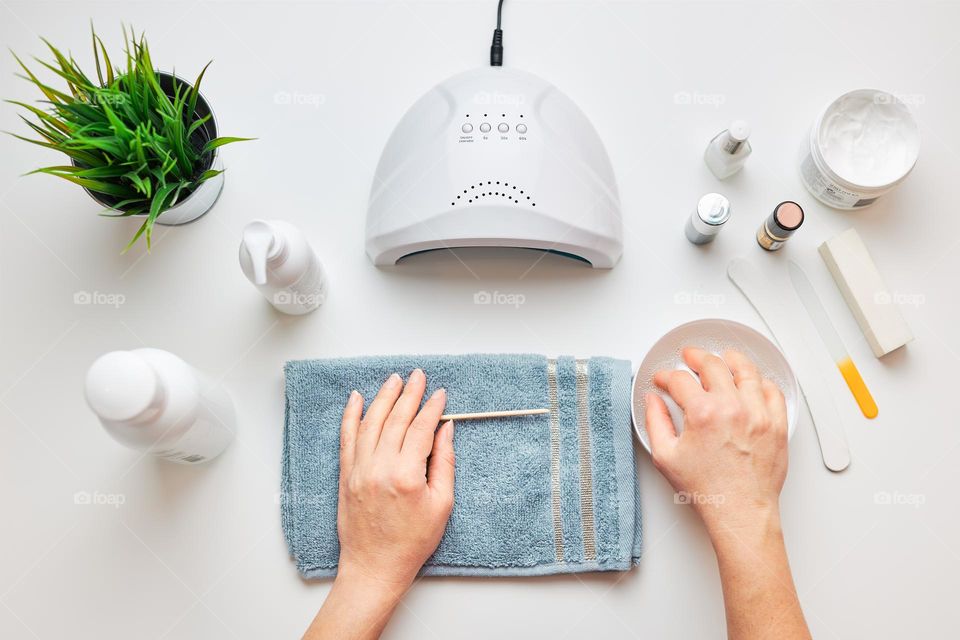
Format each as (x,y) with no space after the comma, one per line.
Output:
(440,469)
(660,427)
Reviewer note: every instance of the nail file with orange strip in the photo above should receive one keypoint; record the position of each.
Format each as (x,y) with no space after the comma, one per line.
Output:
(782,321)
(832,340)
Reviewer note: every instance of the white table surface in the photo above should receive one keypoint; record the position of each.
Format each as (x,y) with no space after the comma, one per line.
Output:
(197,552)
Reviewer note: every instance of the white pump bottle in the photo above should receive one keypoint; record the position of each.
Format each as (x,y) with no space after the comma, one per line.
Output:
(153,401)
(278,260)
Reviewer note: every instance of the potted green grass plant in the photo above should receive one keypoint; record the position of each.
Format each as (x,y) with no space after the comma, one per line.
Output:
(140,141)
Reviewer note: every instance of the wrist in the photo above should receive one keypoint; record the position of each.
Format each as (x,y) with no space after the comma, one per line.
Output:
(358,606)
(743,527)
(358,579)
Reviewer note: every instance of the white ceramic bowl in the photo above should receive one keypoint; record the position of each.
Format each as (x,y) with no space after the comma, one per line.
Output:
(715,336)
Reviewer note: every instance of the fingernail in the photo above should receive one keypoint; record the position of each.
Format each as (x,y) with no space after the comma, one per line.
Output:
(394,379)
(354,397)
(416,373)
(449,429)
(439,393)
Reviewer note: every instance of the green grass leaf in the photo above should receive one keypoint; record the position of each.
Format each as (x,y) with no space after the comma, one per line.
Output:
(52,94)
(209,173)
(219,142)
(195,91)
(83,157)
(44,116)
(97,186)
(161,201)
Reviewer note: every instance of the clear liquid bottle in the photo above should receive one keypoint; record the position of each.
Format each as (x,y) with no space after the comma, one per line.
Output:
(151,400)
(728,150)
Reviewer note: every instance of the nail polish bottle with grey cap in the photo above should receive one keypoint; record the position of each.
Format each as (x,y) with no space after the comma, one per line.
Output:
(728,151)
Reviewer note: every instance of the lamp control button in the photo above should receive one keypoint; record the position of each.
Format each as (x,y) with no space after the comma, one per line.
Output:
(503,127)
(467,127)
(521,128)
(485,127)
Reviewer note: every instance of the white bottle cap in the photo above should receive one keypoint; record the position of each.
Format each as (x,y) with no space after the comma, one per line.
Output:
(121,385)
(263,242)
(739,130)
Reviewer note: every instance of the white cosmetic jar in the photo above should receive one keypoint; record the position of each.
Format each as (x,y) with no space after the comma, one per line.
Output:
(862,145)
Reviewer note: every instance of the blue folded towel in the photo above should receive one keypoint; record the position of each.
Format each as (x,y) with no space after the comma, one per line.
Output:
(535,495)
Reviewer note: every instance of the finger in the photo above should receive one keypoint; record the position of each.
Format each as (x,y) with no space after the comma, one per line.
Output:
(372,423)
(776,404)
(714,373)
(349,426)
(403,412)
(681,386)
(440,469)
(746,376)
(418,441)
(660,427)
(747,379)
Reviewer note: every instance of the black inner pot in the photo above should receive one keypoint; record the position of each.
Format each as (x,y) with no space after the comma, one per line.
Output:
(204,134)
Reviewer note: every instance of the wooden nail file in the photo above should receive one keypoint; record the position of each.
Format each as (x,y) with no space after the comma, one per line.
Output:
(773,309)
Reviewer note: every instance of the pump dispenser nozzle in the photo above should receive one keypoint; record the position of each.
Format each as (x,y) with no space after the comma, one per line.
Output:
(259,238)
(276,257)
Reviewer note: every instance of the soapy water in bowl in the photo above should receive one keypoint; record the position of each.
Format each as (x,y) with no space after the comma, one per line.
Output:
(671,358)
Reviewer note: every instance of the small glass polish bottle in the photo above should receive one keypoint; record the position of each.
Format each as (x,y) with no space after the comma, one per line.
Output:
(728,150)
(780,225)
(712,211)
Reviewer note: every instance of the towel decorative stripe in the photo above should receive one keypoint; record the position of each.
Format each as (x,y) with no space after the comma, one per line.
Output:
(586,461)
(555,458)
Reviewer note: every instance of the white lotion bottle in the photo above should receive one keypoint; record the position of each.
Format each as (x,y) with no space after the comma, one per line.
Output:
(152,401)
(729,149)
(278,260)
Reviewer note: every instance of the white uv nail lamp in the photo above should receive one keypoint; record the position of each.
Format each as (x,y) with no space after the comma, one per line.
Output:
(495,157)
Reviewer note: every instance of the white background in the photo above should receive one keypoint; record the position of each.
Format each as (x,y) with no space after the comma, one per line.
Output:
(198,552)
